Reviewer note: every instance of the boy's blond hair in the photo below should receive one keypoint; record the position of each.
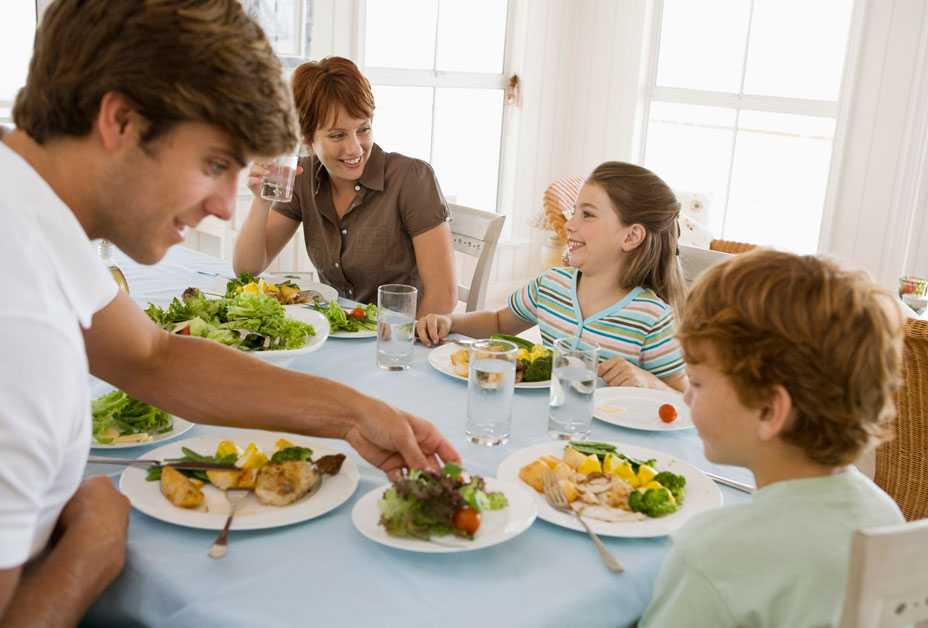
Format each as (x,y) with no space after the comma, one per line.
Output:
(832,338)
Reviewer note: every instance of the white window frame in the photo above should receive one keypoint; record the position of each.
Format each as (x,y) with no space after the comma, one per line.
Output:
(7,105)
(739,102)
(434,78)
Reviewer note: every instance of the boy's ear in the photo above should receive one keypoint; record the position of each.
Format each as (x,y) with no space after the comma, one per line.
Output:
(633,237)
(776,414)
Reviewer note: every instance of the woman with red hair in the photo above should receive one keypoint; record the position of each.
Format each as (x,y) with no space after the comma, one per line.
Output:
(369,217)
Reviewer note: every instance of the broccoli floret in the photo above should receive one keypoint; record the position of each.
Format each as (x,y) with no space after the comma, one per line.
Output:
(674,483)
(654,502)
(538,370)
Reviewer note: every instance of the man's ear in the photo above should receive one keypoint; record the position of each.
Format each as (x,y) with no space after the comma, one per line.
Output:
(118,121)
(776,414)
(633,237)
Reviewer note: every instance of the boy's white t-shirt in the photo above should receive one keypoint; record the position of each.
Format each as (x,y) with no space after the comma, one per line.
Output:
(779,561)
(53,283)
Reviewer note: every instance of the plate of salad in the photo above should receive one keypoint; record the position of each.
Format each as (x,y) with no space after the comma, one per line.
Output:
(250,322)
(286,288)
(443,512)
(353,322)
(622,490)
(120,422)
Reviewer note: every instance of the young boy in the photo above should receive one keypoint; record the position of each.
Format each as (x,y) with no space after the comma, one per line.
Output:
(793,366)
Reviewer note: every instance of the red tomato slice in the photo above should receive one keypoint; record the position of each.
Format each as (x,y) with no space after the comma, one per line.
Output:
(467,520)
(667,413)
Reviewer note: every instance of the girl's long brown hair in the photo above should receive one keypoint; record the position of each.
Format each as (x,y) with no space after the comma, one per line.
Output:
(641,197)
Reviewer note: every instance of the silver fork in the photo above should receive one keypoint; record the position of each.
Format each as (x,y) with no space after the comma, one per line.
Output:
(555,497)
(234,496)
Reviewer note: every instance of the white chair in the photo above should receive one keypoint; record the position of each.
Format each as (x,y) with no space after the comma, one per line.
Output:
(693,261)
(888,577)
(475,234)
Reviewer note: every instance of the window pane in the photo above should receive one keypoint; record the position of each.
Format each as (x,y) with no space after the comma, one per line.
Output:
(280,20)
(702,44)
(778,180)
(403,119)
(468,127)
(458,20)
(689,147)
(797,48)
(17,31)
(400,34)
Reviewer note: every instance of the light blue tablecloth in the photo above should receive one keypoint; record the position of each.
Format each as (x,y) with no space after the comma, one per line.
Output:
(323,572)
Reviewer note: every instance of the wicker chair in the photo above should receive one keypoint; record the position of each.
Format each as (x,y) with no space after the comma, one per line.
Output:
(730,246)
(901,468)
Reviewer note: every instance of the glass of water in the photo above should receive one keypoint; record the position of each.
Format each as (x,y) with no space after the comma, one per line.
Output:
(396,326)
(490,382)
(277,185)
(573,382)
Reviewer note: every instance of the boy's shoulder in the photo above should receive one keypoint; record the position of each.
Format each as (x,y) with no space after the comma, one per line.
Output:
(800,517)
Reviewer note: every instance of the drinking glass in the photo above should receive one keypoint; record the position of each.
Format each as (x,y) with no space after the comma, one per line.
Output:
(573,382)
(105,250)
(396,325)
(490,381)
(277,185)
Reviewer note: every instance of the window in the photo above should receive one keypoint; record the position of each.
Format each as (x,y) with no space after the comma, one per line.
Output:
(287,24)
(742,108)
(17,31)
(438,90)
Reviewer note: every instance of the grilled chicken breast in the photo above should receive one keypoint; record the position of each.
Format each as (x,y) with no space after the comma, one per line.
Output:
(282,483)
(179,489)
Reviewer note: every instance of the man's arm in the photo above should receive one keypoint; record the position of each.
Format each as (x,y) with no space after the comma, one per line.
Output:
(58,588)
(207,382)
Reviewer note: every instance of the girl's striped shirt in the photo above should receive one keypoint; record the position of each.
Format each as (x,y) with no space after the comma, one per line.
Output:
(640,327)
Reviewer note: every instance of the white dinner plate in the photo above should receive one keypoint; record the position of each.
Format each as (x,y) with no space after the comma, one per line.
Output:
(305,281)
(701,493)
(180,426)
(440,359)
(636,408)
(251,515)
(496,526)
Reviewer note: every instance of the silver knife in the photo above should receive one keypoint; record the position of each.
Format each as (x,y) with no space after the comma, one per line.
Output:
(740,486)
(177,464)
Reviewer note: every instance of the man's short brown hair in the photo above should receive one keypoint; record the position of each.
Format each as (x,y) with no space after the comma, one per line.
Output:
(176,60)
(832,338)
(321,86)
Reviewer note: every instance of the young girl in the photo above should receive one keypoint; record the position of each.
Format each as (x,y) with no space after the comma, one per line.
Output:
(619,292)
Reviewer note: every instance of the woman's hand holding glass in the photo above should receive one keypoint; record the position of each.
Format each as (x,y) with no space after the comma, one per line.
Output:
(259,170)
(433,328)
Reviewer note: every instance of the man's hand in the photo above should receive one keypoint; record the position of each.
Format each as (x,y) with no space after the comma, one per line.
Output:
(391,439)
(97,517)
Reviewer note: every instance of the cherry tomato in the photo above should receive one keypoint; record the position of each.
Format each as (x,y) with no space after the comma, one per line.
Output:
(184,331)
(359,313)
(667,413)
(467,520)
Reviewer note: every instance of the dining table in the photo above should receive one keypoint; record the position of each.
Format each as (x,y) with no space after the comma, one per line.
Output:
(324,572)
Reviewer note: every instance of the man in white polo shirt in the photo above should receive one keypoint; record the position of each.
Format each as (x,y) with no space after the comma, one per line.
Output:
(135,121)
